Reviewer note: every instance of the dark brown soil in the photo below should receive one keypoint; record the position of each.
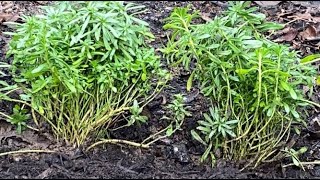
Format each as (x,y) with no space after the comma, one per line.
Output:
(160,161)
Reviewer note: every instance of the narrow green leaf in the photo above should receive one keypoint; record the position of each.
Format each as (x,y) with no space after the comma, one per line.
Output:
(231,133)
(189,82)
(226,126)
(213,46)
(204,123)
(223,132)
(310,59)
(232,122)
(303,150)
(243,71)
(204,36)
(83,28)
(97,33)
(286,108)
(294,113)
(270,111)
(270,26)
(197,137)
(205,129)
(297,130)
(213,132)
(70,86)
(285,85)
(206,153)
(293,93)
(143,77)
(205,115)
(252,44)
(114,89)
(295,161)
(39,68)
(169,131)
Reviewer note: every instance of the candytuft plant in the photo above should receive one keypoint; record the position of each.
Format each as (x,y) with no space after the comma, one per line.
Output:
(215,129)
(83,64)
(254,83)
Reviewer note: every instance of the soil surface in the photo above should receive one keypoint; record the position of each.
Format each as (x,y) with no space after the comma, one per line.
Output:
(178,156)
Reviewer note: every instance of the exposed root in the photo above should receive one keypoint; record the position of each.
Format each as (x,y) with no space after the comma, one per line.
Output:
(26,151)
(115,141)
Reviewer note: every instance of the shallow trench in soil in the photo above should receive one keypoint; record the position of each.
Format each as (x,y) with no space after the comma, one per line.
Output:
(159,161)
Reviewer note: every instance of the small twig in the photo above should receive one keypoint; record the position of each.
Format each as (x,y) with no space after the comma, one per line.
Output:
(154,135)
(26,151)
(32,128)
(34,117)
(115,141)
(291,21)
(302,163)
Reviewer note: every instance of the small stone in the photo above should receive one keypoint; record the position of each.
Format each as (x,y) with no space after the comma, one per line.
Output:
(16,158)
(180,153)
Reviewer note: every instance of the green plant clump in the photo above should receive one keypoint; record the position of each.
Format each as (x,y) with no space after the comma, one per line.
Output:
(82,64)
(179,113)
(254,83)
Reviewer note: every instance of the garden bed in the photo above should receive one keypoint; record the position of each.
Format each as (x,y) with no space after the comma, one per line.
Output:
(174,157)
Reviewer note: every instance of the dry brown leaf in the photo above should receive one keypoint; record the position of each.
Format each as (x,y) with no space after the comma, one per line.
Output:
(309,33)
(205,16)
(288,35)
(283,31)
(4,17)
(267,3)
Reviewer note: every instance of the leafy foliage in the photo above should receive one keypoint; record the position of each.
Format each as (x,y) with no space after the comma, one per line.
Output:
(19,118)
(179,113)
(295,155)
(135,114)
(250,80)
(176,119)
(215,128)
(84,63)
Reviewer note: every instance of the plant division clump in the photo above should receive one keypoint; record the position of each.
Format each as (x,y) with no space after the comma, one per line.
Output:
(83,64)
(254,84)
